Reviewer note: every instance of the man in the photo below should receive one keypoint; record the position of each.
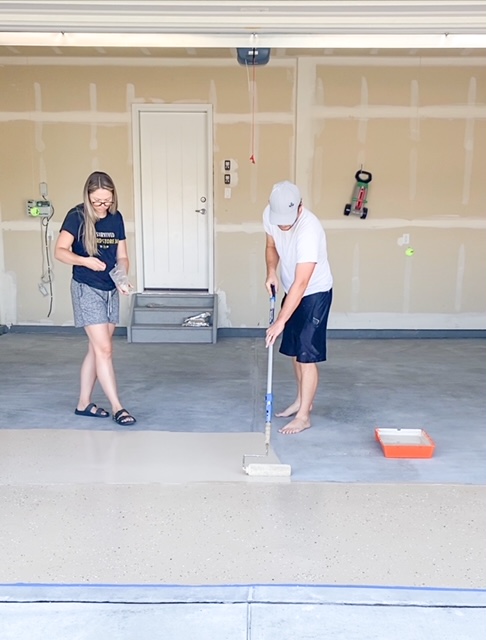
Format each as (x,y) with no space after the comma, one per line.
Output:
(296,239)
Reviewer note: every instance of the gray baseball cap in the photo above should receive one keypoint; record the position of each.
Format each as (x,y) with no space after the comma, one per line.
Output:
(284,203)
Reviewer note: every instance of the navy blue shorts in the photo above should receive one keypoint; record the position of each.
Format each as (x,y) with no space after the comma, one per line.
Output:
(304,336)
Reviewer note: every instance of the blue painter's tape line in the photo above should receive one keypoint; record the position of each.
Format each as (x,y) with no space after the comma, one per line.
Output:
(224,586)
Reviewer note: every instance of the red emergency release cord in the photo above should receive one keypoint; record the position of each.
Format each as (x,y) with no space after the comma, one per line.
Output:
(252,157)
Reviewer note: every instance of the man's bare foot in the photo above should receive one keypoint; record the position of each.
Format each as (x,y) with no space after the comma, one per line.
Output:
(296,426)
(289,411)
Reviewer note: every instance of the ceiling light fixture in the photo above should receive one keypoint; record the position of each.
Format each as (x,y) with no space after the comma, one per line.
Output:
(268,41)
(245,23)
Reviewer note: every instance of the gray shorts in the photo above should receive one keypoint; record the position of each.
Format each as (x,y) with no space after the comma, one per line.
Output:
(94,306)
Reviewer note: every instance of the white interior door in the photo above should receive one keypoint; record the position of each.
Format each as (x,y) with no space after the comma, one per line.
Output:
(175,199)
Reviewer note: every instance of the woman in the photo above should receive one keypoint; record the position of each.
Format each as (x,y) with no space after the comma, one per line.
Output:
(93,240)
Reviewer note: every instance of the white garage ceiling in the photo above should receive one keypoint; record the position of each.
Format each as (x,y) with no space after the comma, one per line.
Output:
(192,26)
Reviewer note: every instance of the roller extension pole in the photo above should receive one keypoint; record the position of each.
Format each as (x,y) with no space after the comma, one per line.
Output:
(259,468)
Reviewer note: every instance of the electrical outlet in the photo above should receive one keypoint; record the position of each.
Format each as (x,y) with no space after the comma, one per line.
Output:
(227,165)
(227,178)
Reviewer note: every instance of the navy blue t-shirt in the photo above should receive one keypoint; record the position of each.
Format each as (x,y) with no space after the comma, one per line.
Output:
(109,231)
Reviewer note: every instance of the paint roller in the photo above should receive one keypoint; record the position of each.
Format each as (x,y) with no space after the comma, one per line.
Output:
(267,469)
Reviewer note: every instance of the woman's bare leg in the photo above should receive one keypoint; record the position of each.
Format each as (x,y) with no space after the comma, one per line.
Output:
(87,378)
(101,346)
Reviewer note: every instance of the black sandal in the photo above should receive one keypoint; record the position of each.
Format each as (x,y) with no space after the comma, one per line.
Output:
(123,417)
(99,413)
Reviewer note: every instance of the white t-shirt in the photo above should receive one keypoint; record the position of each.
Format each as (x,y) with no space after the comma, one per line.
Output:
(304,242)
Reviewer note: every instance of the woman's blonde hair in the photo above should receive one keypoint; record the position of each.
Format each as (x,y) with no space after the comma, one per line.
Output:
(97,180)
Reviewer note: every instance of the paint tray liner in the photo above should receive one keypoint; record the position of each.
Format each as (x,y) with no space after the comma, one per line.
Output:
(405,443)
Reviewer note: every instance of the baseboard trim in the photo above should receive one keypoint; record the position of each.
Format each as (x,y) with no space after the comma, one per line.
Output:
(368,334)
(258,332)
(54,329)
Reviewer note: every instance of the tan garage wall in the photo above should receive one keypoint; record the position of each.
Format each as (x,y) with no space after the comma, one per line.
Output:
(418,125)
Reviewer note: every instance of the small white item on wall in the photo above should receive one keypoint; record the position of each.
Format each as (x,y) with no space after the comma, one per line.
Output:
(403,240)
(227,193)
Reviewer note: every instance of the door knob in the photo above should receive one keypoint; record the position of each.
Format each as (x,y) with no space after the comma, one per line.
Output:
(201,211)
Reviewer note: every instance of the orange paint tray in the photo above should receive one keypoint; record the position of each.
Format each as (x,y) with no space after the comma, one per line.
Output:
(405,443)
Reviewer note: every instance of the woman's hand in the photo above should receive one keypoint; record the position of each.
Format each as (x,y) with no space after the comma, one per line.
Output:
(95,264)
(125,288)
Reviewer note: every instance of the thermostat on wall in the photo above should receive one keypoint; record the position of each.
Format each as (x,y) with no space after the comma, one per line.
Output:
(39,208)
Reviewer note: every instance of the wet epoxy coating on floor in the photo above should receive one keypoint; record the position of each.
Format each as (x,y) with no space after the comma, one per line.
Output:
(46,456)
(83,501)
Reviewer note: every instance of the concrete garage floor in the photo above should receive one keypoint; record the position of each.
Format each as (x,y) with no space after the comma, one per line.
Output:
(437,385)
(164,517)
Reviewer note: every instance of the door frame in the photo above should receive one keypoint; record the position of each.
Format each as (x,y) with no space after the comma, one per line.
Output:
(137,109)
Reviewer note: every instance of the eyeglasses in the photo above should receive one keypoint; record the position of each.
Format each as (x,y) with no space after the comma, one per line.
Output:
(102,203)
